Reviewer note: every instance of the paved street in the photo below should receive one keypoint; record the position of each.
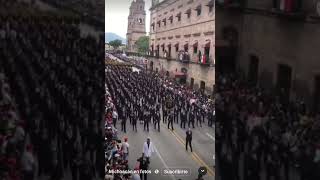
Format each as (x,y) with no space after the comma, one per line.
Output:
(170,150)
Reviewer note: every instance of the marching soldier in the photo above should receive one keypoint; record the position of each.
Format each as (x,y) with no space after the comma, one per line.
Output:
(191,118)
(157,121)
(198,116)
(169,107)
(146,120)
(183,118)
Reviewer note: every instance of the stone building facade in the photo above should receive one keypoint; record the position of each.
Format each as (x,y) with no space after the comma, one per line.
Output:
(136,24)
(275,44)
(179,26)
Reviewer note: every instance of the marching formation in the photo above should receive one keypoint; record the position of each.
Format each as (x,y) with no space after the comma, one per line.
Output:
(148,98)
(136,96)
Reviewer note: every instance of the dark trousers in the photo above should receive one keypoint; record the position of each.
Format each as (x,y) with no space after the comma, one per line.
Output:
(157,123)
(199,121)
(170,121)
(144,176)
(183,124)
(191,122)
(124,126)
(28,175)
(146,125)
(134,125)
(188,143)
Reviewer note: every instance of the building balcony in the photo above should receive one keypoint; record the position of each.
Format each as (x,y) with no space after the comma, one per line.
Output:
(297,15)
(290,9)
(237,5)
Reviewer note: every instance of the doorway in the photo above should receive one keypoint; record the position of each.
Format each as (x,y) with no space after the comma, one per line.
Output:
(151,65)
(317,93)
(202,86)
(284,79)
(191,83)
(253,70)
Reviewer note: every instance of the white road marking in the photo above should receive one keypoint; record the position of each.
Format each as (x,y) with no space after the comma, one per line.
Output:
(210,136)
(164,163)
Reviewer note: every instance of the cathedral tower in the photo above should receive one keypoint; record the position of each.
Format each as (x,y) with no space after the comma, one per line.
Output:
(136,24)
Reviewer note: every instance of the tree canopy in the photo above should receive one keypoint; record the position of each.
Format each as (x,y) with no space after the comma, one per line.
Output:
(115,43)
(143,44)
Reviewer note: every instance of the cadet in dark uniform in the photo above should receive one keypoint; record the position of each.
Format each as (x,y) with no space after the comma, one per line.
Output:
(157,121)
(124,120)
(183,118)
(188,139)
(175,114)
(146,120)
(169,105)
(134,120)
(191,118)
(198,116)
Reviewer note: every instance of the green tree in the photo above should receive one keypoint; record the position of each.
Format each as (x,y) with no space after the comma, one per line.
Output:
(115,43)
(143,44)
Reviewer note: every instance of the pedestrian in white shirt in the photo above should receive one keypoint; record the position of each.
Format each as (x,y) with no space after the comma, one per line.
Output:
(125,149)
(28,163)
(148,149)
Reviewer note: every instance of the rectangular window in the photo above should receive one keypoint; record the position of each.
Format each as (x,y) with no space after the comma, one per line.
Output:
(195,49)
(198,9)
(199,12)
(177,48)
(189,15)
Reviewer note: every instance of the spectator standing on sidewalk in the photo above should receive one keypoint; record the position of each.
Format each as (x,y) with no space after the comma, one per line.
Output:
(28,163)
(125,148)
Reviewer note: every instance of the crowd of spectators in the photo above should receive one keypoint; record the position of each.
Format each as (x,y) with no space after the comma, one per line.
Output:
(91,10)
(16,158)
(52,72)
(260,135)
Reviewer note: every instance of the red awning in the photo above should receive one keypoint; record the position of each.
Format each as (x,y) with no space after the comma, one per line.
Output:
(178,15)
(186,45)
(176,45)
(169,45)
(195,44)
(162,45)
(171,17)
(179,74)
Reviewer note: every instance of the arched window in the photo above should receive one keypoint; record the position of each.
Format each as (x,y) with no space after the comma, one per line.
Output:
(140,21)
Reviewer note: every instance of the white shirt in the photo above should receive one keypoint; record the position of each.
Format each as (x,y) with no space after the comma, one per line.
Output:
(27,161)
(148,151)
(136,177)
(125,147)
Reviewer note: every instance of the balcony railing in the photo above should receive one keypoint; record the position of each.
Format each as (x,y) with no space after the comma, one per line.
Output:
(231,4)
(291,10)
